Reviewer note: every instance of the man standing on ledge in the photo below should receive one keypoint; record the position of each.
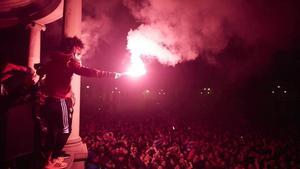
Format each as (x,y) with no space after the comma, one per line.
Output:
(58,103)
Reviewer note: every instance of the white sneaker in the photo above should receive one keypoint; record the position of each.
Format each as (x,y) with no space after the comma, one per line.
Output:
(49,165)
(56,164)
(59,164)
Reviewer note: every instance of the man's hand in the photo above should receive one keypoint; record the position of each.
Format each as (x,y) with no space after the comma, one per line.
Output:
(118,75)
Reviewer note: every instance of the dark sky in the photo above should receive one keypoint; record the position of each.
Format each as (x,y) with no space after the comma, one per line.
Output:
(242,50)
(236,39)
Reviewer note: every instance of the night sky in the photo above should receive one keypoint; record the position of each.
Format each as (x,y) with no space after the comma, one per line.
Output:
(245,52)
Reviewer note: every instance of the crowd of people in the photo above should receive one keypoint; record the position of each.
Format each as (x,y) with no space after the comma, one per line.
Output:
(161,143)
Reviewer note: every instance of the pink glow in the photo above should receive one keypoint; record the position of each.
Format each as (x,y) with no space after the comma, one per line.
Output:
(137,67)
(148,42)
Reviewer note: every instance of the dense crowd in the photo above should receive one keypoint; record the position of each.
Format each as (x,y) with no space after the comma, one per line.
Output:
(159,144)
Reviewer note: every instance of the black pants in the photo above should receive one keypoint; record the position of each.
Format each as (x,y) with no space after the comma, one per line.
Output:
(58,116)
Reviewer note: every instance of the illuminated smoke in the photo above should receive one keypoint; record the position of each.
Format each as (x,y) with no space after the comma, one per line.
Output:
(137,67)
(177,30)
(147,42)
(184,30)
(92,30)
(97,25)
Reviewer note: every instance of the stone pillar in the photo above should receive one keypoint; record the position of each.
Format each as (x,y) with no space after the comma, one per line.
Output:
(34,50)
(72,27)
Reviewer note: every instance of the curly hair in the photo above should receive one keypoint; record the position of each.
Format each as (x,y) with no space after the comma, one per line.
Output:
(69,42)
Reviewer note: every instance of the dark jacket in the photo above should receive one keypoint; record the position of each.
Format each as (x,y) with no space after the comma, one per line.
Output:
(59,72)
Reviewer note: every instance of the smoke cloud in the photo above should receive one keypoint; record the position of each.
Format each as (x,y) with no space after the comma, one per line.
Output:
(98,26)
(185,30)
(93,31)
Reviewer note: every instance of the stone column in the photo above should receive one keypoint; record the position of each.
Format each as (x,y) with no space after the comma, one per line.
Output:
(72,27)
(34,50)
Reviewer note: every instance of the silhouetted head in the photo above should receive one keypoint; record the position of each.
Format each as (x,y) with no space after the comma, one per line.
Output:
(68,44)
(71,47)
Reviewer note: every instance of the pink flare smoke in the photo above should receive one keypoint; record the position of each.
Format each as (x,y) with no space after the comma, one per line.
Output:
(137,67)
(148,42)
(185,30)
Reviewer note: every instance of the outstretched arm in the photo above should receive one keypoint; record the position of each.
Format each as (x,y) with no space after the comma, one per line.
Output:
(77,68)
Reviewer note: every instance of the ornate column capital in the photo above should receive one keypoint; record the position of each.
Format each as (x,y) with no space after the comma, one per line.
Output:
(36,26)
